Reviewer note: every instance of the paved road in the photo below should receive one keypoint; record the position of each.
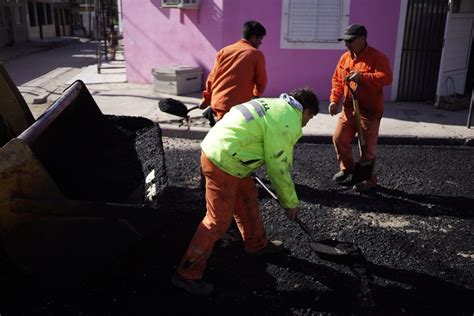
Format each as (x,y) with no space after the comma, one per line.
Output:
(416,233)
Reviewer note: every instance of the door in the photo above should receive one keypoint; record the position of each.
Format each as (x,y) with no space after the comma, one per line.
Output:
(57,23)
(9,25)
(421,49)
(455,59)
(41,17)
(63,21)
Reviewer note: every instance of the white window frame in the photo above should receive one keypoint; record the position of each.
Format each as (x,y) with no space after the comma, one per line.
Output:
(286,43)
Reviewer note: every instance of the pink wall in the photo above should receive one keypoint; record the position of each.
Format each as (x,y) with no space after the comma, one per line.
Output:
(156,37)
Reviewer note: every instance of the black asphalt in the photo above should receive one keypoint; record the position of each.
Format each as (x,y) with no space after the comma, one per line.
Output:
(415,232)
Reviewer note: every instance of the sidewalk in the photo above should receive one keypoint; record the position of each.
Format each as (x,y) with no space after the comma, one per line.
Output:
(403,122)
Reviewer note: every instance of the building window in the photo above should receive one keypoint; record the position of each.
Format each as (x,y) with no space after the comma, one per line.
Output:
(49,16)
(313,24)
(40,11)
(32,13)
(2,19)
(18,15)
(66,16)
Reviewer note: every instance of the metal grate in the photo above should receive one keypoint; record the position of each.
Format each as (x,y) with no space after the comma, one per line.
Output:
(421,52)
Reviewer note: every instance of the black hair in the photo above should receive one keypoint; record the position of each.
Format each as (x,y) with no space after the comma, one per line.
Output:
(253,28)
(307,98)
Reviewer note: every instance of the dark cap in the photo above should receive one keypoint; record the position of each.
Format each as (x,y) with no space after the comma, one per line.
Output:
(352,31)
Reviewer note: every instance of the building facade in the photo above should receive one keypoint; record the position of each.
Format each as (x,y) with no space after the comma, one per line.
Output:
(48,18)
(13,22)
(23,20)
(301,46)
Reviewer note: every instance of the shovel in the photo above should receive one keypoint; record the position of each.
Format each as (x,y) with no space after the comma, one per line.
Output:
(364,168)
(328,249)
(176,107)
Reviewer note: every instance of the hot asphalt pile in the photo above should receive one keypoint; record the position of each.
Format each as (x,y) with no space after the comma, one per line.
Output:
(107,159)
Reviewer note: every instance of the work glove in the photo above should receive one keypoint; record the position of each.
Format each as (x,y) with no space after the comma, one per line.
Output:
(353,76)
(333,108)
(203,104)
(209,114)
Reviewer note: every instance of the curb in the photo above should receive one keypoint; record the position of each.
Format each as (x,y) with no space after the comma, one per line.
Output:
(200,132)
(426,141)
(189,133)
(397,140)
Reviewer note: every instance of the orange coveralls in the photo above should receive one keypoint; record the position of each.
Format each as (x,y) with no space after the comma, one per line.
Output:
(240,195)
(238,75)
(375,72)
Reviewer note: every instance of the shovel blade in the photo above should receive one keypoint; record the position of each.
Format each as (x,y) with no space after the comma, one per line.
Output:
(174,107)
(336,251)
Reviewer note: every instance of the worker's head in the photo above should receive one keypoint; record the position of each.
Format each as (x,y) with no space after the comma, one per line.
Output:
(253,32)
(309,101)
(355,38)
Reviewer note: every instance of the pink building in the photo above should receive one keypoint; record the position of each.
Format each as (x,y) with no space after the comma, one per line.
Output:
(300,47)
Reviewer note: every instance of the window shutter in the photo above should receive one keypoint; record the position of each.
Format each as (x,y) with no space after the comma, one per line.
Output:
(314,20)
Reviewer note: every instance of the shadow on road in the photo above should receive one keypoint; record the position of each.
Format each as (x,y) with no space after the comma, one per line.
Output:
(390,201)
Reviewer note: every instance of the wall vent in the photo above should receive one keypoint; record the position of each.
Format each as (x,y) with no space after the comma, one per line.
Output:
(180,4)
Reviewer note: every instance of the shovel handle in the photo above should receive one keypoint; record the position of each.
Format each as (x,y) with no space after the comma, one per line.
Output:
(355,104)
(260,182)
(352,91)
(193,108)
(273,195)
(305,228)
(316,245)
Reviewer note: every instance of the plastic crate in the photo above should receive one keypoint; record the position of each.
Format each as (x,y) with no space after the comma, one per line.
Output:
(177,80)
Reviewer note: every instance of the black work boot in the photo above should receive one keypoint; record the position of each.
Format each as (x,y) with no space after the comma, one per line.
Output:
(272,247)
(195,287)
(342,176)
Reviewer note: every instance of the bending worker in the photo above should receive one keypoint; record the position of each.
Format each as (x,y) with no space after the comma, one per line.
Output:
(238,73)
(370,70)
(256,133)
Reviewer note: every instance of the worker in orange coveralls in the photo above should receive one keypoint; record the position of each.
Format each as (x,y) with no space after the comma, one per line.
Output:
(238,75)
(259,132)
(239,72)
(370,70)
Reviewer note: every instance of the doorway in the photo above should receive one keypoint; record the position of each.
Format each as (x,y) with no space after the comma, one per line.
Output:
(456,69)
(9,26)
(57,22)
(41,19)
(421,50)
